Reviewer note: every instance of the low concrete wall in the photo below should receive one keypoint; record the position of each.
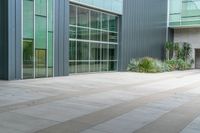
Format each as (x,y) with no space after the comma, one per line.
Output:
(190,35)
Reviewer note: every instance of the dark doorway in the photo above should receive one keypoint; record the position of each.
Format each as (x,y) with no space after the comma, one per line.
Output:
(197,58)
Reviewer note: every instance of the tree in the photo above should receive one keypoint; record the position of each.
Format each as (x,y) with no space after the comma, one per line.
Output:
(187,49)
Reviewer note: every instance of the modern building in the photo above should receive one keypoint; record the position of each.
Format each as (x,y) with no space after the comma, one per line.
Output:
(49,38)
(184,20)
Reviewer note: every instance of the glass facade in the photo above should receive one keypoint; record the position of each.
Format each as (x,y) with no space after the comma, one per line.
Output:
(93,40)
(184,13)
(115,6)
(38,37)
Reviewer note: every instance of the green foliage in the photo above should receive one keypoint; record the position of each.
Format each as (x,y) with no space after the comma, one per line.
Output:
(147,65)
(150,65)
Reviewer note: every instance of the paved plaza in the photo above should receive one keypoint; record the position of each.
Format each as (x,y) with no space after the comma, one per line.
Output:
(118,102)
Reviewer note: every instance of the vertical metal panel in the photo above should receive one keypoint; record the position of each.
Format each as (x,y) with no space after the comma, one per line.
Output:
(144,25)
(61,38)
(14,39)
(3,39)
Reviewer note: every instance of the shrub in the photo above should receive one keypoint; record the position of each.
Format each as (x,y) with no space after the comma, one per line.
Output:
(150,65)
(146,64)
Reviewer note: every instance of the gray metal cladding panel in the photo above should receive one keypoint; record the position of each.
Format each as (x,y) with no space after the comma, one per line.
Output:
(3,40)
(61,38)
(144,24)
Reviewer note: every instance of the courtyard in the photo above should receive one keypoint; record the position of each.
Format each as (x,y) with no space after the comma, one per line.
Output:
(118,102)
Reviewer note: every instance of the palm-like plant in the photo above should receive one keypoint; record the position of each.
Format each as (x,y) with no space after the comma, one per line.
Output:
(168,48)
(176,49)
(187,49)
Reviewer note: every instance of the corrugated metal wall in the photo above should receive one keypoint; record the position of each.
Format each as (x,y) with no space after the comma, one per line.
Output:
(144,24)
(3,40)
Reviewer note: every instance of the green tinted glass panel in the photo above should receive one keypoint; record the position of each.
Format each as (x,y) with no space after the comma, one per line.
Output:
(50,15)
(104,21)
(82,67)
(104,36)
(104,52)
(113,37)
(40,63)
(83,33)
(83,17)
(95,51)
(95,35)
(95,66)
(28,66)
(72,32)
(112,66)
(28,16)
(82,51)
(104,66)
(72,50)
(95,19)
(41,7)
(112,52)
(72,15)
(50,54)
(41,32)
(72,67)
(113,23)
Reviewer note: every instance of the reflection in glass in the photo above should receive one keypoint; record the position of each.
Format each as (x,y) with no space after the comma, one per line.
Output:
(95,66)
(83,33)
(95,35)
(83,17)
(95,51)
(95,19)
(82,67)
(72,15)
(72,50)
(104,21)
(40,63)
(82,51)
(112,52)
(113,37)
(28,66)
(113,23)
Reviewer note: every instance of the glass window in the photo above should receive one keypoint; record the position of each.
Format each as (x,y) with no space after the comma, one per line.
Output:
(41,7)
(40,32)
(82,51)
(28,66)
(113,37)
(82,67)
(72,67)
(104,21)
(104,52)
(112,52)
(50,54)
(72,50)
(83,17)
(105,36)
(112,66)
(28,19)
(72,32)
(93,43)
(104,66)
(95,66)
(38,49)
(95,19)
(72,15)
(83,33)
(95,51)
(95,35)
(113,23)
(40,63)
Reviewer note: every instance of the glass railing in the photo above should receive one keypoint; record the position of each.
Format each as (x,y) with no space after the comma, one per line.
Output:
(115,6)
(184,13)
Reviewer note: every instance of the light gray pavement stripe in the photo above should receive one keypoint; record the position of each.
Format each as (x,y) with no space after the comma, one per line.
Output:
(71,94)
(88,121)
(193,127)
(174,121)
(142,116)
